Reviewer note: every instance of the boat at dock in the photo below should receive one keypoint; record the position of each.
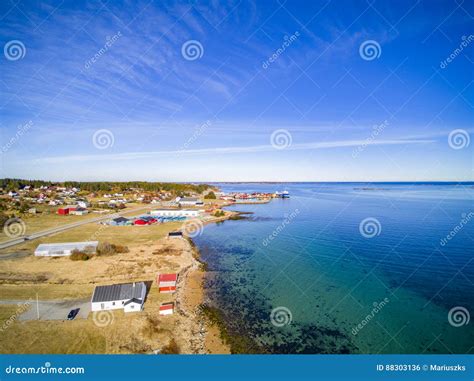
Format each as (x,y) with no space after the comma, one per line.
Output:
(284,194)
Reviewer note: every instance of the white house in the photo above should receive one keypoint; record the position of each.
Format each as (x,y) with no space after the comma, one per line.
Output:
(175,213)
(79,212)
(191,201)
(83,204)
(64,249)
(127,296)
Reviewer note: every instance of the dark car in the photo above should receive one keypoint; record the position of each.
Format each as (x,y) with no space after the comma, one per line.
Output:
(72,314)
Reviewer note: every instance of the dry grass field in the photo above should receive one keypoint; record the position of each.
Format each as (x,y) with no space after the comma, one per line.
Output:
(48,218)
(61,278)
(122,235)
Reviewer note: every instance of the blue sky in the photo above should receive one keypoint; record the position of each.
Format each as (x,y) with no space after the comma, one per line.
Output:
(277,91)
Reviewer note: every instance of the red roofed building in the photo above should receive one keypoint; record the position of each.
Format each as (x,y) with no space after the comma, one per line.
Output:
(167,282)
(167,278)
(66,209)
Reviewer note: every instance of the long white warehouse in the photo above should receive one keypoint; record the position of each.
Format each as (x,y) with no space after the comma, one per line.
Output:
(64,249)
(175,213)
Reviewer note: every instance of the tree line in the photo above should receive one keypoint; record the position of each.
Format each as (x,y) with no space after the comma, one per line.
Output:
(106,186)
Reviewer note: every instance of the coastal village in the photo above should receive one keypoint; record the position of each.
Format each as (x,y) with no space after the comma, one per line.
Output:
(110,271)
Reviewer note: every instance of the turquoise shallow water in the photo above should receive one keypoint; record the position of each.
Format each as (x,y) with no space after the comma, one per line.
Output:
(338,286)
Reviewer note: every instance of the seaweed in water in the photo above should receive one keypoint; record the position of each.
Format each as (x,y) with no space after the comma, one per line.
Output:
(247,317)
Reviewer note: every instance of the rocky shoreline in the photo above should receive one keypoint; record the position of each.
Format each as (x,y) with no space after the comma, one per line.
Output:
(201,335)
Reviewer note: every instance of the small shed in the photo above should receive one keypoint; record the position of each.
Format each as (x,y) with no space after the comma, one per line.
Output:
(119,221)
(167,283)
(177,234)
(167,309)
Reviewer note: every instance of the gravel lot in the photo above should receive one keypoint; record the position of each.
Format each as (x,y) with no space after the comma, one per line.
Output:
(51,309)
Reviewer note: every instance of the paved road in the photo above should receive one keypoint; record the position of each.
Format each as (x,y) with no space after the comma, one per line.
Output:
(50,309)
(17,241)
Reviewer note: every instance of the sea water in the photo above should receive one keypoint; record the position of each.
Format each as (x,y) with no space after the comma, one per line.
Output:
(347,268)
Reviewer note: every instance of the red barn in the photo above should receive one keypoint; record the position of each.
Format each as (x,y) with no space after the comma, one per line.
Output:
(63,211)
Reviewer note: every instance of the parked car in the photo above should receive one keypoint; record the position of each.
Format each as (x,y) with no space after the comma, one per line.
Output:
(72,314)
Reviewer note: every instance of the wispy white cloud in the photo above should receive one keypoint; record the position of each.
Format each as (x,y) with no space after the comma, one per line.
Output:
(231,150)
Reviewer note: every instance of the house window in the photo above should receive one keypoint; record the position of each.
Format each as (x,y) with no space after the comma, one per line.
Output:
(113,303)
(102,306)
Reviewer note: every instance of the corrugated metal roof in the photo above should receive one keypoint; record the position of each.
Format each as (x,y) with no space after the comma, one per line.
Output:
(188,199)
(66,246)
(120,219)
(122,291)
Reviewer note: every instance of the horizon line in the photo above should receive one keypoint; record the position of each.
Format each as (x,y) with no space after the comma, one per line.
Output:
(251,181)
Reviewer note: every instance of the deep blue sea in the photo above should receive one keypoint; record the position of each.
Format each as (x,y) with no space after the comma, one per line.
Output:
(347,268)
